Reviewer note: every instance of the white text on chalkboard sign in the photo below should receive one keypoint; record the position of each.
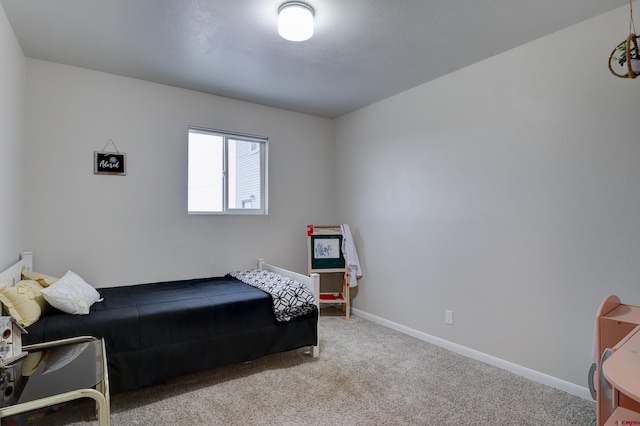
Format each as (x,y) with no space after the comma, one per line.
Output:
(109,163)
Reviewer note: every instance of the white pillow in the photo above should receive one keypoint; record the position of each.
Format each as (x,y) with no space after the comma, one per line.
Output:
(71,294)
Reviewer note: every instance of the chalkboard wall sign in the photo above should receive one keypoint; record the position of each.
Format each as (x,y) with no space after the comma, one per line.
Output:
(109,163)
(326,251)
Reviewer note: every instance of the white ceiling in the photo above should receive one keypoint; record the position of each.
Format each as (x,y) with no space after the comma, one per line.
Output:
(362,50)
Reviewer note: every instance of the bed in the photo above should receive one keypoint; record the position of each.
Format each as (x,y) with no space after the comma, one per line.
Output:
(157,331)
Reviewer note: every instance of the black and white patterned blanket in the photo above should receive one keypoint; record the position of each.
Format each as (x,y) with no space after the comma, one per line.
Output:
(290,297)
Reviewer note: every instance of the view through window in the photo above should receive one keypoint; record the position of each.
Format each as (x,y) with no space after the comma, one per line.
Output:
(227,173)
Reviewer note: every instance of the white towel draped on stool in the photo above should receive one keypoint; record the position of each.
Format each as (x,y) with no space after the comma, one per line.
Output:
(350,256)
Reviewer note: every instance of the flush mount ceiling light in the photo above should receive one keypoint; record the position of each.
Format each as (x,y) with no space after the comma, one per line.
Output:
(295,21)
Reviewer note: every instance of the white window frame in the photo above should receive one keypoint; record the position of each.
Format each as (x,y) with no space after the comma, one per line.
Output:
(263,148)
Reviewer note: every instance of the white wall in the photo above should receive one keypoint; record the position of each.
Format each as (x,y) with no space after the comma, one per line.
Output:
(12,87)
(507,192)
(116,230)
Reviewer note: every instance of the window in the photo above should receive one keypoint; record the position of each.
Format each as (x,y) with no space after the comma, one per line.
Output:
(227,173)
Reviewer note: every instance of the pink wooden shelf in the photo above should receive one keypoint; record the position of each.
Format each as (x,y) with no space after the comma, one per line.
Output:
(623,416)
(621,369)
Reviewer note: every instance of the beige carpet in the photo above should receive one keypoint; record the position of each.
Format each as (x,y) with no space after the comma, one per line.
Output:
(367,374)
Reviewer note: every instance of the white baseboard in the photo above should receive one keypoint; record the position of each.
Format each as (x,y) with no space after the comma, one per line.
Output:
(545,379)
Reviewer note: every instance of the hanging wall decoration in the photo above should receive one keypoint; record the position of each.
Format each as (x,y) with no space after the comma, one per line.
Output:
(109,163)
(624,61)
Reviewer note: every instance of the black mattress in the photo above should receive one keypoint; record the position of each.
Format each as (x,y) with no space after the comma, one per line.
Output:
(157,331)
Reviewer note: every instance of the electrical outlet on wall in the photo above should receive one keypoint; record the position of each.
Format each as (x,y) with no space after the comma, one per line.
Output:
(448,316)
